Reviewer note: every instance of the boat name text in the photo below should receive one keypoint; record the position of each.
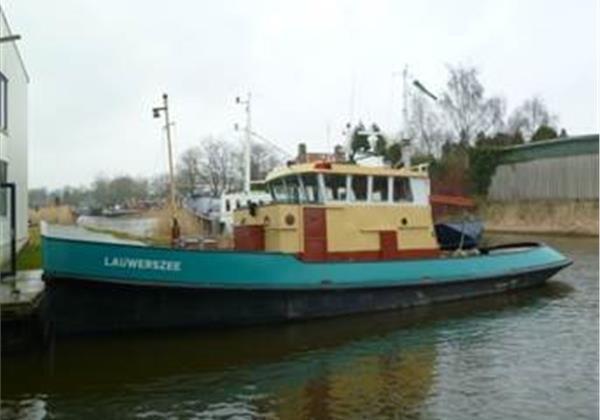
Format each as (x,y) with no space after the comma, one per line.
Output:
(142,264)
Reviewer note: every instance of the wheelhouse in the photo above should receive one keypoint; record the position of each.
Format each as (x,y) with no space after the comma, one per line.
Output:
(335,211)
(338,188)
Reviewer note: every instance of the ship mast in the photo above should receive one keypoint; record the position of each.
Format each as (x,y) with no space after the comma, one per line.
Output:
(405,135)
(248,145)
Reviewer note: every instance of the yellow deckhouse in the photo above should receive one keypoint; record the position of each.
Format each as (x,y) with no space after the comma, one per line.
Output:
(328,211)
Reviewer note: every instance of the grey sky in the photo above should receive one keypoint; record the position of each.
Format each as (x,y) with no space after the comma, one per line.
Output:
(98,67)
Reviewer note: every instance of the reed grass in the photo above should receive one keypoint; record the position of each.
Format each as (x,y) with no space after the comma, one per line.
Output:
(62,215)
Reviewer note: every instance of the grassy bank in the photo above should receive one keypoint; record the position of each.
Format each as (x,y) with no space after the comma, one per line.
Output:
(30,257)
(548,217)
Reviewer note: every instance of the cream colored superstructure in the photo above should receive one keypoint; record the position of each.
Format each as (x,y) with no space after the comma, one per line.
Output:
(351,226)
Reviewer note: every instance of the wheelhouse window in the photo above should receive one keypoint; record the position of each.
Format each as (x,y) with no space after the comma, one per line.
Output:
(359,186)
(292,184)
(402,191)
(278,191)
(3,102)
(311,188)
(335,187)
(380,194)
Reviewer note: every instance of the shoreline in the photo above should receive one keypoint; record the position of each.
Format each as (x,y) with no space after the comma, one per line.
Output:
(518,230)
(547,217)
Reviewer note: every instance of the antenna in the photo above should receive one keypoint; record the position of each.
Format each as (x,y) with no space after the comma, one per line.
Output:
(405,134)
(248,144)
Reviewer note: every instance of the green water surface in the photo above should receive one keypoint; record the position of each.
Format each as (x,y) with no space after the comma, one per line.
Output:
(526,355)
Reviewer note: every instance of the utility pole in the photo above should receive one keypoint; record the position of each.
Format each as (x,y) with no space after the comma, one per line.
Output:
(248,146)
(173,206)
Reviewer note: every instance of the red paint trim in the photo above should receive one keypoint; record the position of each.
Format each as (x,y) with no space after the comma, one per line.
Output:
(451,200)
(249,238)
(322,165)
(376,255)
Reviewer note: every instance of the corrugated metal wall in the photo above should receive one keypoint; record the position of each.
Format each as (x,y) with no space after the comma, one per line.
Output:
(568,177)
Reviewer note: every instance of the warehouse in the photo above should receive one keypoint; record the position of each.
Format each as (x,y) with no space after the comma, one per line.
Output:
(562,169)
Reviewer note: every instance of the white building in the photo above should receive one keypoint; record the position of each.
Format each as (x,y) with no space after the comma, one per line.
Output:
(13,137)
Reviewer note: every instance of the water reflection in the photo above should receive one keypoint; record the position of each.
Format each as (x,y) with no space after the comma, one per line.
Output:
(379,365)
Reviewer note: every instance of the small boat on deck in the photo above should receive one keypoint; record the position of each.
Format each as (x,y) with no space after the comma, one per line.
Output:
(459,235)
(337,239)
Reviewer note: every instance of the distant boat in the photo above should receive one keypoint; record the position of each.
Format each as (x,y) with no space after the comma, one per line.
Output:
(232,201)
(119,212)
(337,239)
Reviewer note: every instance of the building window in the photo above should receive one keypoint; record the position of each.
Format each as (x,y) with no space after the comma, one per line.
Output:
(3,191)
(3,102)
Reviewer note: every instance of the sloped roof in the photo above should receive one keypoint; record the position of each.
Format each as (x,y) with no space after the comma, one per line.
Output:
(566,146)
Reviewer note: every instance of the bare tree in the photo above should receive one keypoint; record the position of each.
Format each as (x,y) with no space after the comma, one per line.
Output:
(119,190)
(530,116)
(158,186)
(468,110)
(220,166)
(263,160)
(188,176)
(427,125)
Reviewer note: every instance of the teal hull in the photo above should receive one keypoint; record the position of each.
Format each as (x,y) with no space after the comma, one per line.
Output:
(152,266)
(105,287)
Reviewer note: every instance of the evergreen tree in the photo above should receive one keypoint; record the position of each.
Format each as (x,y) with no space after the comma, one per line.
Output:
(380,146)
(393,154)
(544,133)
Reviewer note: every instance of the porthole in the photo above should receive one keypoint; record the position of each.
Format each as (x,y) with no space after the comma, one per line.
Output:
(290,219)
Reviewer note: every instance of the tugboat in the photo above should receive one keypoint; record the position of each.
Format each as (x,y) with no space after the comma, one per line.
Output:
(337,239)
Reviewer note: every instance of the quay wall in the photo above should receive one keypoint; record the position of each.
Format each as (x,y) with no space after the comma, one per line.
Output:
(545,187)
(569,217)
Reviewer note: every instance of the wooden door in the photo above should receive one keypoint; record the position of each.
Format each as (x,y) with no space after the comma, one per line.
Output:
(315,234)
(388,244)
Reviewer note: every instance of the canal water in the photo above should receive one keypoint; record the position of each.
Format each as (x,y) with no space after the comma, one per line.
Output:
(526,355)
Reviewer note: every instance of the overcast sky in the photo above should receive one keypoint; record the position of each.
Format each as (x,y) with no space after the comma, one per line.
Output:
(98,67)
